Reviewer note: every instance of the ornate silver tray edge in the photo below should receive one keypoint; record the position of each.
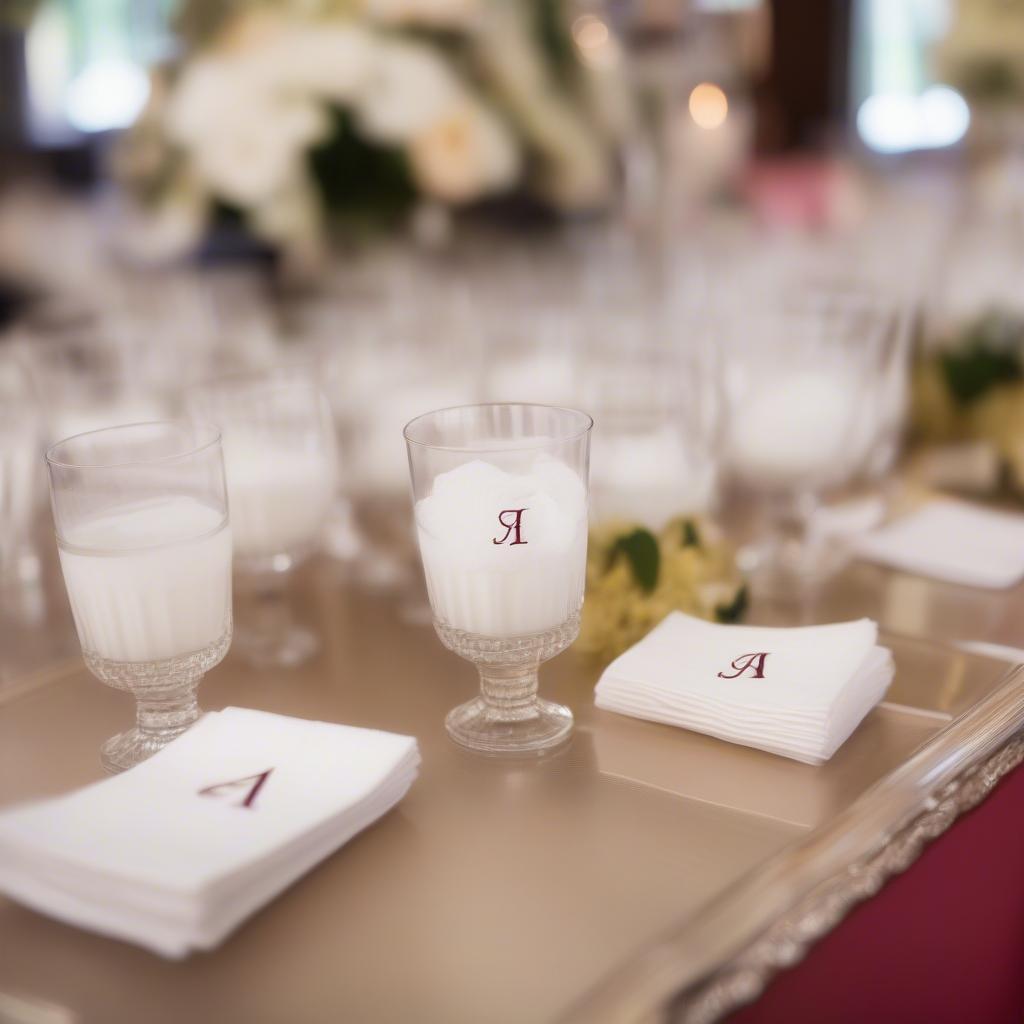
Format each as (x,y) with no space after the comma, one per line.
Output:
(725,954)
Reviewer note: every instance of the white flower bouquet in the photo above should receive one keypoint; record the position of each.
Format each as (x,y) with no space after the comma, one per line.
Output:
(301,115)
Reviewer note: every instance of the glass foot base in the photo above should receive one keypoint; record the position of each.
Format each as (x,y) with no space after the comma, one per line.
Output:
(478,726)
(127,749)
(788,569)
(277,650)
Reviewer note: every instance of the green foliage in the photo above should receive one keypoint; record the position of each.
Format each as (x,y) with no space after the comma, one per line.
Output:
(735,611)
(18,13)
(641,549)
(354,177)
(691,535)
(989,80)
(198,23)
(554,37)
(991,353)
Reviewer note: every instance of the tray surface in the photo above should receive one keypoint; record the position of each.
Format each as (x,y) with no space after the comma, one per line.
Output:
(498,890)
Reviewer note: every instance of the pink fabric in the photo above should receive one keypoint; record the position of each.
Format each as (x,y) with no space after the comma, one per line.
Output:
(942,943)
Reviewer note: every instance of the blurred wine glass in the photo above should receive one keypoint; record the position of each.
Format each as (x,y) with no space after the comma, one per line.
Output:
(279,463)
(796,383)
(382,366)
(656,404)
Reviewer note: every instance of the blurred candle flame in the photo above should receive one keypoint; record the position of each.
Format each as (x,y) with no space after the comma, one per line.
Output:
(708,106)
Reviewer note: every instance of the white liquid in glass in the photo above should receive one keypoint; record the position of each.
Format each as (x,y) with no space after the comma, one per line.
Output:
(379,464)
(649,477)
(479,578)
(149,581)
(279,497)
(792,430)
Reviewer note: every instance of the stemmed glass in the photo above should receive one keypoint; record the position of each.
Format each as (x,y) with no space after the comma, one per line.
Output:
(279,461)
(381,375)
(658,411)
(795,384)
(500,496)
(142,531)
(92,378)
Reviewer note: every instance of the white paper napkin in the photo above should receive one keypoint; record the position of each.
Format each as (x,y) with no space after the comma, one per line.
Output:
(954,541)
(176,853)
(797,692)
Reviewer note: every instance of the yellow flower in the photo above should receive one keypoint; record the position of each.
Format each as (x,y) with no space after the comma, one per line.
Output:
(696,574)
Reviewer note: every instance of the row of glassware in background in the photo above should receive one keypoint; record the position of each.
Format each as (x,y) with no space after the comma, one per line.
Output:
(776,365)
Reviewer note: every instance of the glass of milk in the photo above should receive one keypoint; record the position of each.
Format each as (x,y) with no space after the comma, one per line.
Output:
(658,411)
(141,516)
(380,372)
(797,385)
(500,496)
(279,460)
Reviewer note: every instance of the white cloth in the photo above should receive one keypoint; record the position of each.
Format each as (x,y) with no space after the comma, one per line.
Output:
(174,854)
(802,699)
(954,541)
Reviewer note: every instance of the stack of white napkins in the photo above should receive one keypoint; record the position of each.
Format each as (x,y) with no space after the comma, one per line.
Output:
(174,854)
(954,541)
(796,692)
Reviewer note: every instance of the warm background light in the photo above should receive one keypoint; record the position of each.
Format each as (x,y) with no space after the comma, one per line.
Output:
(590,33)
(596,45)
(708,106)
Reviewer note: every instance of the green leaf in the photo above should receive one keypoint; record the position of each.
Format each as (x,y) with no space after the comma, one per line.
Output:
(554,37)
(641,548)
(691,536)
(359,178)
(736,610)
(991,353)
(988,79)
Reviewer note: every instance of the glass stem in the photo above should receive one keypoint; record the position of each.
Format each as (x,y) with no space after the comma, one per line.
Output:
(168,712)
(793,517)
(272,615)
(509,693)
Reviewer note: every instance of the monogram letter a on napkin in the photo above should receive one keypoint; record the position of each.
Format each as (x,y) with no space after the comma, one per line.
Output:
(797,692)
(176,853)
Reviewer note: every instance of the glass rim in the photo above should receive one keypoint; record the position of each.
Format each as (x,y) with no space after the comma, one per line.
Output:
(213,437)
(588,423)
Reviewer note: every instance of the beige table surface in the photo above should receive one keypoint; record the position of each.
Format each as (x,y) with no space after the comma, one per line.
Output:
(498,890)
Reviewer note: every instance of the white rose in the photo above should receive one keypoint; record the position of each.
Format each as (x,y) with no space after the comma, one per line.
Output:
(246,141)
(408,90)
(465,153)
(245,166)
(331,61)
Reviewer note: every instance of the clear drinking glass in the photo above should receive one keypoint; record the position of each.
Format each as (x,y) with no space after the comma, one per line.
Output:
(795,385)
(279,460)
(142,530)
(382,375)
(658,410)
(91,377)
(500,496)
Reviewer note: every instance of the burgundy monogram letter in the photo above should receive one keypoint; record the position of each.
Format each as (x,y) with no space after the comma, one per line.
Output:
(745,661)
(257,784)
(516,524)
